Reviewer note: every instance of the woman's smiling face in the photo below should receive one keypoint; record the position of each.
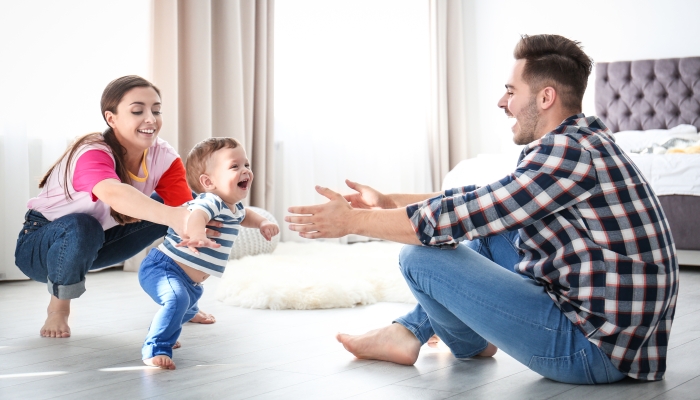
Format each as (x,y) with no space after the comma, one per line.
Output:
(137,121)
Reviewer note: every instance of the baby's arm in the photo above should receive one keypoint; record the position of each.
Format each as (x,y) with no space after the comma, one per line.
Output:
(254,220)
(196,232)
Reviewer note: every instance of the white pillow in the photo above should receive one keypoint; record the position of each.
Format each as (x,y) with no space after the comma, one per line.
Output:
(635,140)
(480,171)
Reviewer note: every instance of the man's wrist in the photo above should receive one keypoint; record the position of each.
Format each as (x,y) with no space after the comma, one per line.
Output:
(357,221)
(391,202)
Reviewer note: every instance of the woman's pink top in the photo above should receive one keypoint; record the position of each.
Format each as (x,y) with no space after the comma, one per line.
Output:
(161,171)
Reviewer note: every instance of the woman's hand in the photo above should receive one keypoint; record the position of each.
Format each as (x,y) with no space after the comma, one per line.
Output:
(213,224)
(367,197)
(178,221)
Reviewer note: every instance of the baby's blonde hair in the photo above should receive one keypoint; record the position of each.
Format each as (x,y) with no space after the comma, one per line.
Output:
(198,157)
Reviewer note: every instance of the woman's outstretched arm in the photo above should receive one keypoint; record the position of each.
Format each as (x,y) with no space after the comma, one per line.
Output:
(127,200)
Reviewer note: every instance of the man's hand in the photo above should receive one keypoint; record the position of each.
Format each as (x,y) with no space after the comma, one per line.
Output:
(329,220)
(269,229)
(367,197)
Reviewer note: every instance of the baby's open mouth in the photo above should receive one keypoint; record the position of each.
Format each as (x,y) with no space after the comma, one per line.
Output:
(243,184)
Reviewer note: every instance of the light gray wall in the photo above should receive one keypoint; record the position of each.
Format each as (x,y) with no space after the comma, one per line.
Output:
(609,30)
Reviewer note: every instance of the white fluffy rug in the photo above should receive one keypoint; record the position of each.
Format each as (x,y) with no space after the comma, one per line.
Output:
(314,275)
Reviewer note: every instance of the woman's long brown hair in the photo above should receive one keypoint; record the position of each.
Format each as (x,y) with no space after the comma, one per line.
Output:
(111,96)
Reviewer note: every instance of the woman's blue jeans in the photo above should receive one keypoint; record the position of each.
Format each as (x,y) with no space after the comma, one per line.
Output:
(62,251)
(471,296)
(169,286)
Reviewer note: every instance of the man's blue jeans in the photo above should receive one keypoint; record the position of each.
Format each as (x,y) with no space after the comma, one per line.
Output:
(471,296)
(169,286)
(62,251)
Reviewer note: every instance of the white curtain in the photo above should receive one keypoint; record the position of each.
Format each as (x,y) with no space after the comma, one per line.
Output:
(51,78)
(351,98)
(212,60)
(448,90)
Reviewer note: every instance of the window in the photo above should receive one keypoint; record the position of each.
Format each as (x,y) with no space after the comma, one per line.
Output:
(351,97)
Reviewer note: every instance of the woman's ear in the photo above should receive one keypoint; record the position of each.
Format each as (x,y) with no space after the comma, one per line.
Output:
(206,182)
(109,117)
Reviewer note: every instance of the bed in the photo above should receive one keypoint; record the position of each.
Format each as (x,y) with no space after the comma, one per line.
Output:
(647,102)
(643,103)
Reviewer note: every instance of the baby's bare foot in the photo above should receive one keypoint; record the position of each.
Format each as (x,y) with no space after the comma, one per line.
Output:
(177,345)
(203,318)
(392,343)
(56,325)
(161,361)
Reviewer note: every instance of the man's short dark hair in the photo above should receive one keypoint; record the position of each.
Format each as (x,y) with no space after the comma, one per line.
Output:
(553,60)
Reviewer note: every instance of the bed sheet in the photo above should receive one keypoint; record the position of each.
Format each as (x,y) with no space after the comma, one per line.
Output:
(670,174)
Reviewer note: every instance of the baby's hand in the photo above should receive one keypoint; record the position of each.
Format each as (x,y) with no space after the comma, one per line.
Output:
(268,229)
(193,242)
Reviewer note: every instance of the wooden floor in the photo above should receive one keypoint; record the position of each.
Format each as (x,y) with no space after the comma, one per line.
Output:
(263,354)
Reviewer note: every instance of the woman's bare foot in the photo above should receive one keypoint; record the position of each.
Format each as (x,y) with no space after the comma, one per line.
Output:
(392,343)
(161,361)
(56,325)
(203,318)
(177,345)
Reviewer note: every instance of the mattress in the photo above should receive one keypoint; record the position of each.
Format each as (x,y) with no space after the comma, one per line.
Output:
(670,174)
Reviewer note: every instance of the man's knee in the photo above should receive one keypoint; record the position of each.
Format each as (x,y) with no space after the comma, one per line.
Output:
(412,257)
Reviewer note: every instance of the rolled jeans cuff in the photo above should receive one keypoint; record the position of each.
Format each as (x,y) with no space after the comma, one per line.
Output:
(415,329)
(66,292)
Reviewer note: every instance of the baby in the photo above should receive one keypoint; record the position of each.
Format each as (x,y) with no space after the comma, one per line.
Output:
(172,274)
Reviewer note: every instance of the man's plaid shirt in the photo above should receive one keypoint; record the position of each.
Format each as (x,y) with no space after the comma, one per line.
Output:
(592,232)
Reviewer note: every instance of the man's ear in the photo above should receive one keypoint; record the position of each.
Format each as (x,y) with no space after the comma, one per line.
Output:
(206,182)
(546,98)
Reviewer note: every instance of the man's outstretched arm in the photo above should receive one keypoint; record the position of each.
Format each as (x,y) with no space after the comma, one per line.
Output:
(368,197)
(338,218)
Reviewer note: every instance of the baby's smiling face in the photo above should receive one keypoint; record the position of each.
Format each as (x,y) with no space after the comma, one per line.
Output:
(229,174)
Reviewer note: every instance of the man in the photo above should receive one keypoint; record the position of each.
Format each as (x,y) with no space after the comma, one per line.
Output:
(569,265)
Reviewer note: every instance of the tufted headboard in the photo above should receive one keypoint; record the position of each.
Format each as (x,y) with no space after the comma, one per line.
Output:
(648,94)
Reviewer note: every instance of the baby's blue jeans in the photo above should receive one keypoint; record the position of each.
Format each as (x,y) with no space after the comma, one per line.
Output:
(169,286)
(471,296)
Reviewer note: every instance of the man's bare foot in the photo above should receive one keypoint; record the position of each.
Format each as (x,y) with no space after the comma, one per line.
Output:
(161,361)
(177,345)
(434,341)
(392,343)
(203,318)
(56,325)
(489,351)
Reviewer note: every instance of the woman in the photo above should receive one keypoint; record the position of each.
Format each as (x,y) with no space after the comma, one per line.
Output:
(94,210)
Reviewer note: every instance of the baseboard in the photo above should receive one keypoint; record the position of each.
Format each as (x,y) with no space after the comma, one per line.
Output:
(688,257)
